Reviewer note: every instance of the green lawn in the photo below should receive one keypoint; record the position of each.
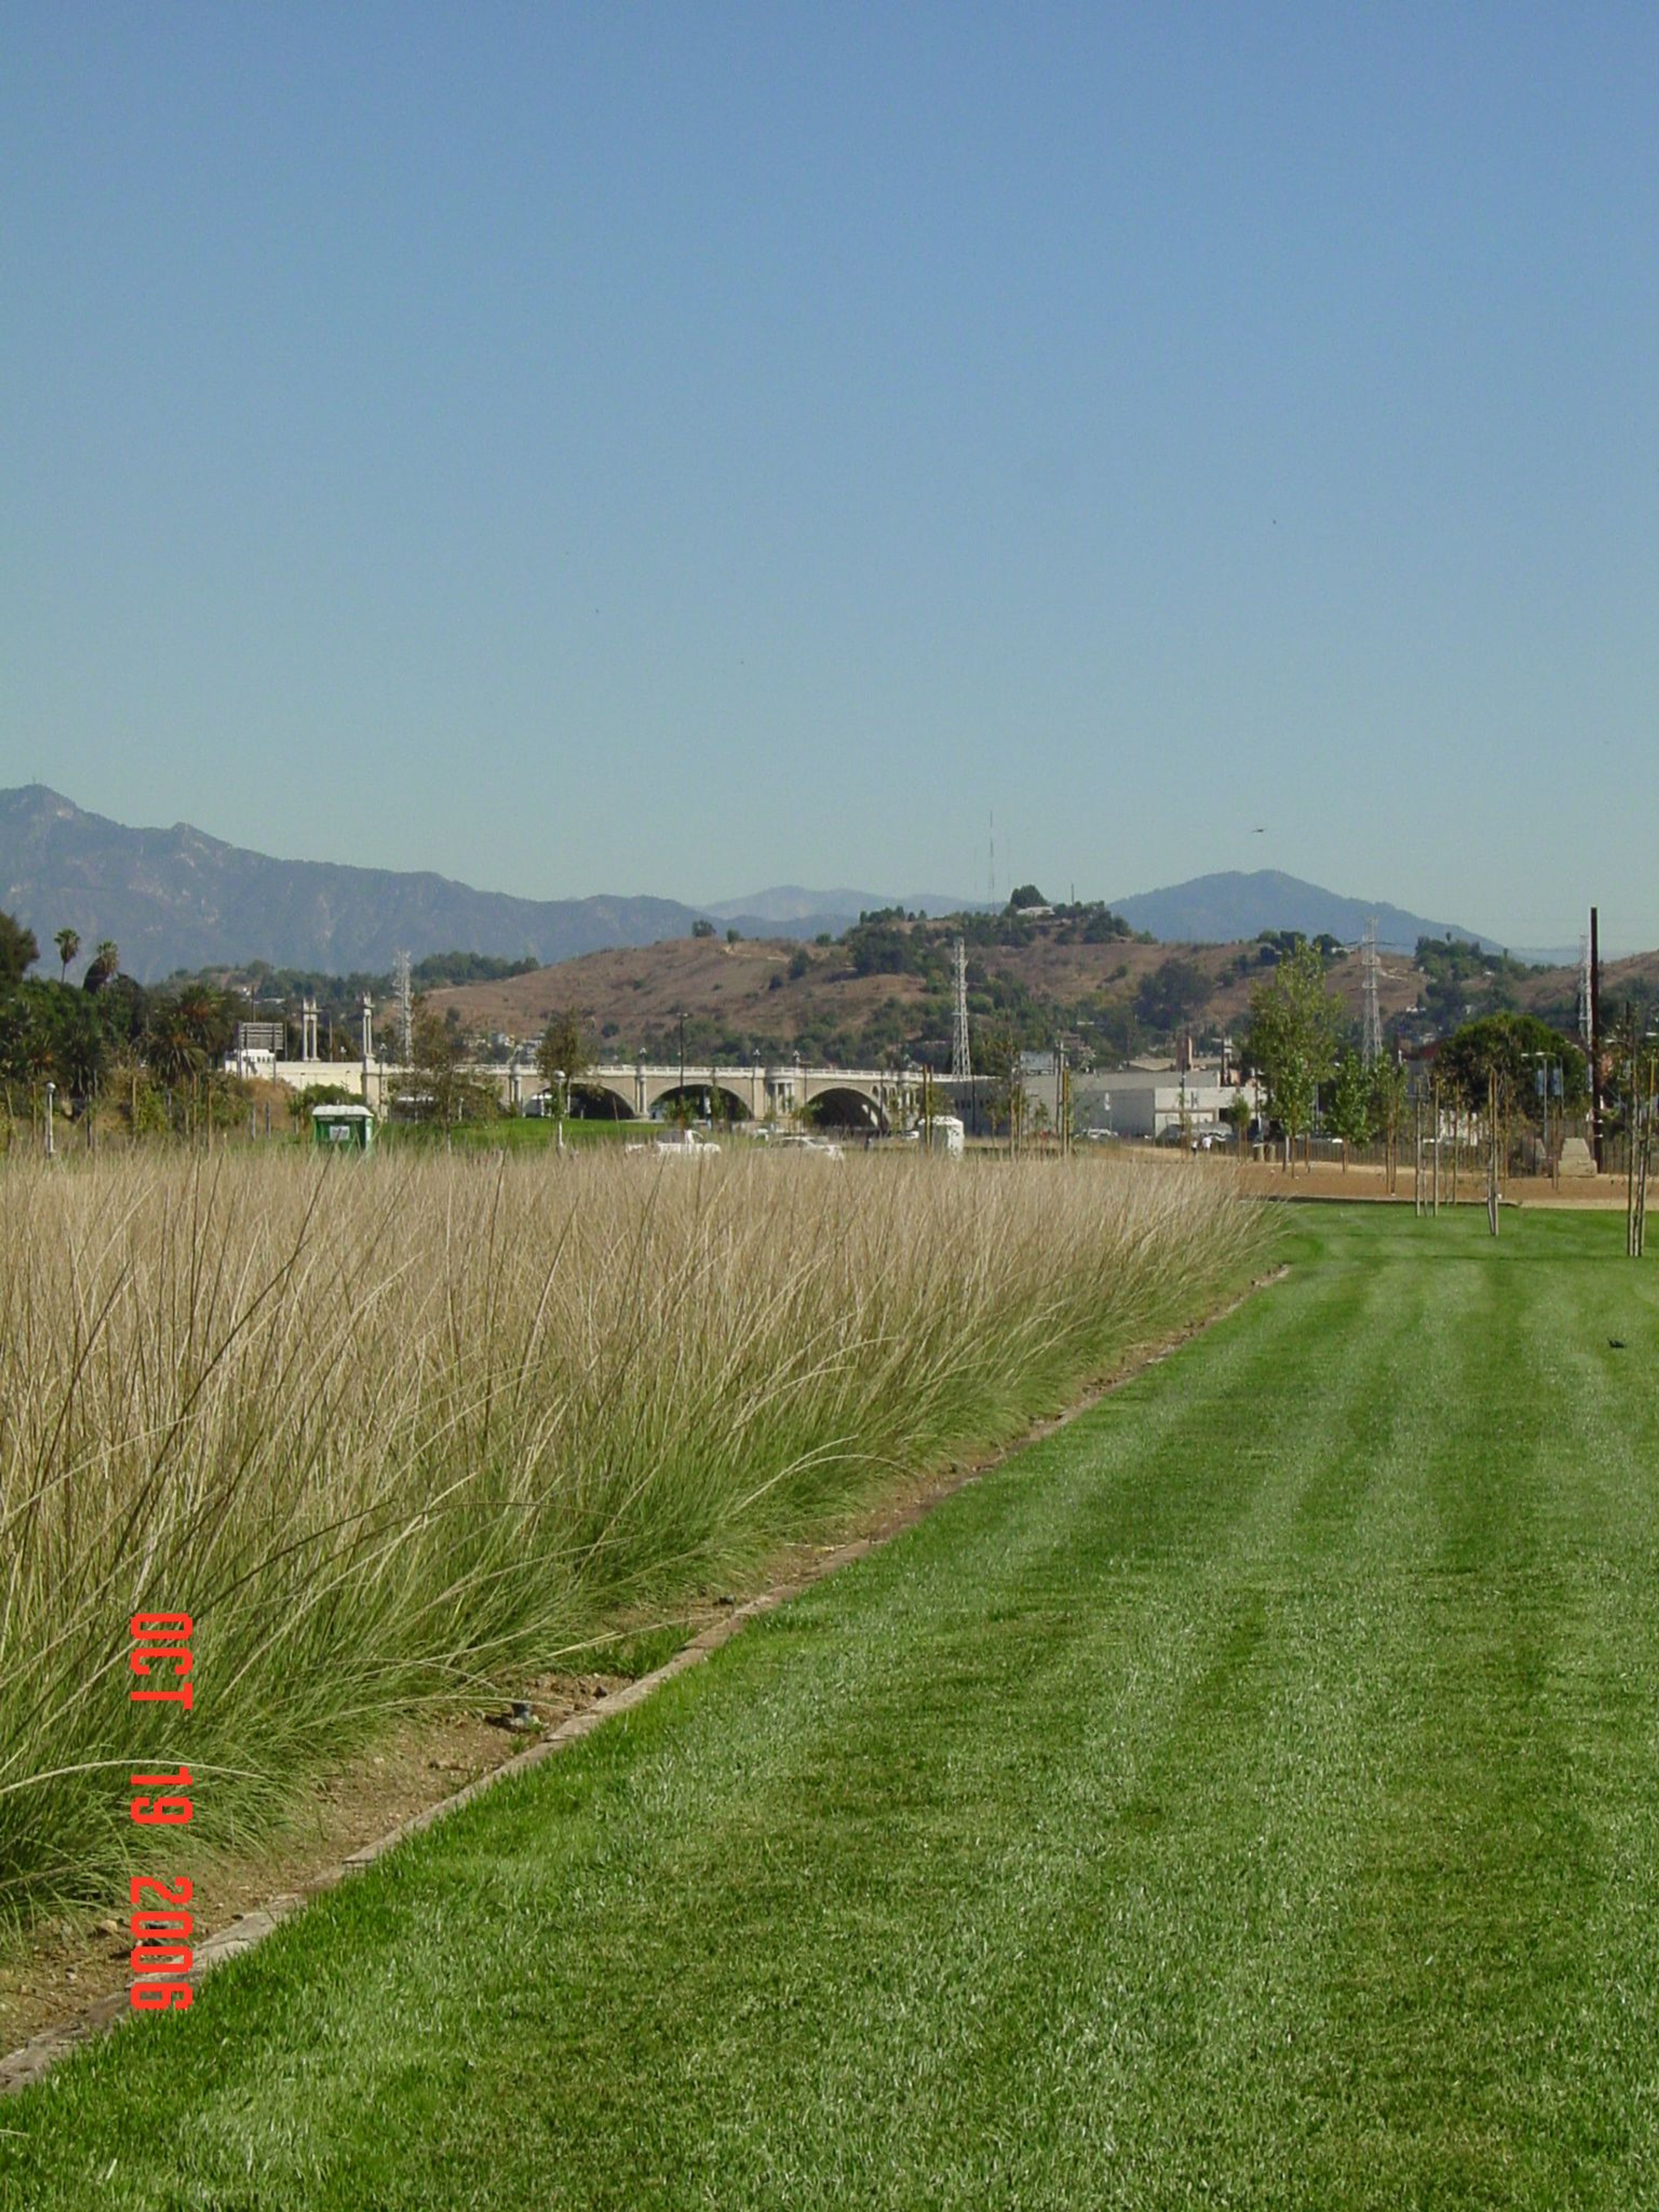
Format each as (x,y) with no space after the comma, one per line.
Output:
(512,1132)
(1248,1796)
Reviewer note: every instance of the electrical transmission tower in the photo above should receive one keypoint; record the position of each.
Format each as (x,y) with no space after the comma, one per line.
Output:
(405,1009)
(1372,1045)
(962,1058)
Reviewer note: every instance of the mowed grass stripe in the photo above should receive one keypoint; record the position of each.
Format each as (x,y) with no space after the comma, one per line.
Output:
(1516,1833)
(1245,1796)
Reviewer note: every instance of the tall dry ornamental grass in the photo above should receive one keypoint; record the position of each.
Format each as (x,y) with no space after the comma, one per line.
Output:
(400,1430)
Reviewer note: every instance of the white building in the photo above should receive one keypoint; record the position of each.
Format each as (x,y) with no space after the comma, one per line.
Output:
(1149,1101)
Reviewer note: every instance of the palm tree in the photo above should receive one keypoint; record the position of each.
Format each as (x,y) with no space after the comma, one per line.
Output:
(187,1029)
(170,1042)
(68,942)
(104,966)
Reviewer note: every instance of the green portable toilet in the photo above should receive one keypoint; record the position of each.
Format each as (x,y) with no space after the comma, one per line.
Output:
(343,1128)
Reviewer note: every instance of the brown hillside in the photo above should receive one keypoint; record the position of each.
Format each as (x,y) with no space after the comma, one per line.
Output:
(1556,987)
(643,991)
(746,988)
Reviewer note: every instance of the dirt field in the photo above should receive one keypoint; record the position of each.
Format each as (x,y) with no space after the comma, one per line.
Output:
(1359,1184)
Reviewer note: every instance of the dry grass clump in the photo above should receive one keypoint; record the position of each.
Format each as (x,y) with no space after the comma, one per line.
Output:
(393,1430)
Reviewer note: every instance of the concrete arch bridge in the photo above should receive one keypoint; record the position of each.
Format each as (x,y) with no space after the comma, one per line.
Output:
(859,1098)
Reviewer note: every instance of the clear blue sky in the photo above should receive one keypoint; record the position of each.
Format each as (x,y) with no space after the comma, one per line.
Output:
(585,448)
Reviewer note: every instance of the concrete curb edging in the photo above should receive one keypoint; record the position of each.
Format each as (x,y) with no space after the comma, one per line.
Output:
(26,2065)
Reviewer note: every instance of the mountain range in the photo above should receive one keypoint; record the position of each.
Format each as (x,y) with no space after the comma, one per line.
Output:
(177,898)
(1219,909)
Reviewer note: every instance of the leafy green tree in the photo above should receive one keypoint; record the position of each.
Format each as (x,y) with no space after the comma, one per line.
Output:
(25,1036)
(440,1086)
(997,1058)
(562,1053)
(1168,997)
(430,973)
(1102,926)
(1294,1027)
(82,1045)
(1025,895)
(68,942)
(1510,1047)
(1351,1102)
(18,951)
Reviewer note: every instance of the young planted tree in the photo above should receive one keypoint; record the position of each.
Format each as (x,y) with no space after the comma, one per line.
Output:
(1351,1102)
(998,1054)
(1237,1114)
(1291,1041)
(440,1086)
(1389,1089)
(562,1054)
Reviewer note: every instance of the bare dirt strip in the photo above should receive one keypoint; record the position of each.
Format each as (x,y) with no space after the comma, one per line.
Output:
(1360,1186)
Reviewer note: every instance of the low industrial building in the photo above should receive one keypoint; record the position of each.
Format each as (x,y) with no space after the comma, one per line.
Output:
(1144,1103)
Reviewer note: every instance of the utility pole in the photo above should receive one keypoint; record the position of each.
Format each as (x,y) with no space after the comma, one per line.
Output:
(1544,1075)
(404,989)
(1584,1036)
(1417,1159)
(1631,1245)
(1643,1113)
(1595,1034)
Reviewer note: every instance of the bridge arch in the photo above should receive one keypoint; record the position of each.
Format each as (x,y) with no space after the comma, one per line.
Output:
(727,1105)
(593,1099)
(846,1106)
